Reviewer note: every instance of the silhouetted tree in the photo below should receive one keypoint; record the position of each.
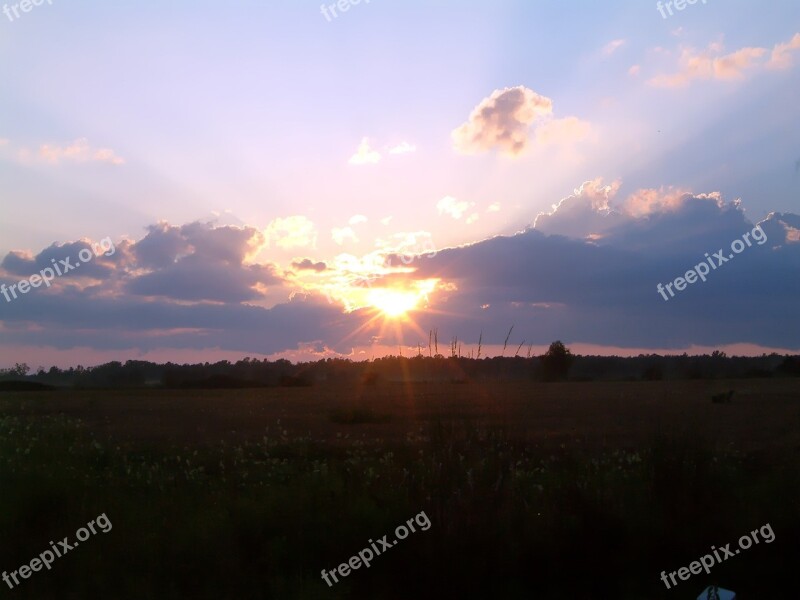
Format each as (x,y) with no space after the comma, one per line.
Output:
(556,362)
(790,366)
(20,369)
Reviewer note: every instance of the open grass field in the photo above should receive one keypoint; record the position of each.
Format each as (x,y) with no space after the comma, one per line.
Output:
(561,490)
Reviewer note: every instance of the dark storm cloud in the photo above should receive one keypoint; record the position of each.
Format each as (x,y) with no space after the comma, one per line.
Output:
(161,246)
(193,278)
(308,265)
(200,261)
(178,287)
(99,266)
(165,244)
(193,287)
(82,319)
(603,290)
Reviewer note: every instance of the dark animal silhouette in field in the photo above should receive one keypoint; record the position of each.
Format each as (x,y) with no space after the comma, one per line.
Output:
(722,398)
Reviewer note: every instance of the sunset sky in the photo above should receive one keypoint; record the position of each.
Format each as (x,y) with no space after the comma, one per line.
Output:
(278,183)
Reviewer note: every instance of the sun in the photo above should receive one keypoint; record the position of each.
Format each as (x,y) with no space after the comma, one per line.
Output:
(394,304)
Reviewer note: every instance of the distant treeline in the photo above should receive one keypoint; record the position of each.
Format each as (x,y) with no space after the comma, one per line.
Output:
(557,364)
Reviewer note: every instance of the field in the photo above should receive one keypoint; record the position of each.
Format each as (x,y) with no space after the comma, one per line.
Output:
(559,490)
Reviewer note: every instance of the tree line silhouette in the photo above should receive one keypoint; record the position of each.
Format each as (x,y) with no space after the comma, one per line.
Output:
(557,364)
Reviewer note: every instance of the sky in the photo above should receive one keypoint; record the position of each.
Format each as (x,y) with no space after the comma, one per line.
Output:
(297,180)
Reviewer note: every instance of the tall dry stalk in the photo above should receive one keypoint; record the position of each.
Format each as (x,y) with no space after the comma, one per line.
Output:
(506,342)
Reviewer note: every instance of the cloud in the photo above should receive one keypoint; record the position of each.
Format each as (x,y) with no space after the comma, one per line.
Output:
(194,278)
(307,264)
(403,148)
(201,262)
(225,217)
(586,212)
(291,232)
(227,244)
(406,243)
(341,235)
(193,287)
(137,324)
(450,206)
(493,207)
(78,151)
(634,70)
(781,56)
(705,65)
(100,266)
(162,246)
(196,262)
(365,155)
(565,287)
(185,287)
(502,121)
(612,47)
(712,64)
(593,210)
(646,202)
(357,219)
(472,218)
(647,220)
(510,119)
(782,228)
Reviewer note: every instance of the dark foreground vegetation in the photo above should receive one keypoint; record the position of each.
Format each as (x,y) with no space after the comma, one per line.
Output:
(554,491)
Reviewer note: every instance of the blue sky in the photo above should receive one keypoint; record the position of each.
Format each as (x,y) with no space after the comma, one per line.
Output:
(115,118)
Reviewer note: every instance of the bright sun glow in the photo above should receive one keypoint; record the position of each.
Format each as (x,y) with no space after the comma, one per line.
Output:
(393,303)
